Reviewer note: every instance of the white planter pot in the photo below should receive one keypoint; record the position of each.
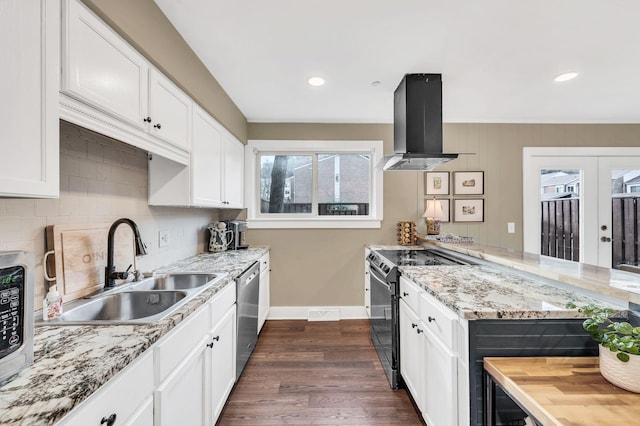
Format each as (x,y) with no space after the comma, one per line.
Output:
(625,375)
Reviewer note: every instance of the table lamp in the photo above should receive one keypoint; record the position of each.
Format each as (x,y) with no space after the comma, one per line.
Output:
(434,216)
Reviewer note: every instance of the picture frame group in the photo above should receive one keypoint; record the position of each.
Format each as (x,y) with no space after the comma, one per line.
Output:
(461,184)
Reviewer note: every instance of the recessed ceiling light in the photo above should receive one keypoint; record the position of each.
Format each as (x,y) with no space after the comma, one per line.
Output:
(316,81)
(566,76)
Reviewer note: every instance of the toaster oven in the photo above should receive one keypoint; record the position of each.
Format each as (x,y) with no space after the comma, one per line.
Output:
(16,312)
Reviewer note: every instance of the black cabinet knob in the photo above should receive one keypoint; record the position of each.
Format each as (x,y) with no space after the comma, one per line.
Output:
(413,325)
(405,294)
(147,119)
(157,126)
(431,319)
(109,421)
(419,331)
(217,338)
(210,345)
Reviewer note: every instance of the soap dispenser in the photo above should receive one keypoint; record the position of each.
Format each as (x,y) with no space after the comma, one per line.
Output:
(52,304)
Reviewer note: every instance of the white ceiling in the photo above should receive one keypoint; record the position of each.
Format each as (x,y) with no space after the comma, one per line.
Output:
(497,57)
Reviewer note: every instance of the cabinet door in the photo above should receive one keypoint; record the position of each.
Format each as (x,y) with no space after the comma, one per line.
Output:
(101,69)
(411,352)
(264,298)
(440,396)
(233,172)
(169,111)
(182,398)
(206,161)
(223,360)
(30,43)
(367,286)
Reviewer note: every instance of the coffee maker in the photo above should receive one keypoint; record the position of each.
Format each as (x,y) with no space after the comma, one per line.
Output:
(238,229)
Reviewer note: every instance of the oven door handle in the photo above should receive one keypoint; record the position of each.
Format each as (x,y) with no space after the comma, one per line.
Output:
(375,275)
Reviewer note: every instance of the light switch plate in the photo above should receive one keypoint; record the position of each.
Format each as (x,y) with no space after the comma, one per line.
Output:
(511,227)
(163,238)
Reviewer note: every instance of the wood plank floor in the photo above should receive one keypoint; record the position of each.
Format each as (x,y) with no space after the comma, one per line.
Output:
(316,373)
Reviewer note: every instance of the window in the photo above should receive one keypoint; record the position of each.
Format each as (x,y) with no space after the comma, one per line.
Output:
(314,184)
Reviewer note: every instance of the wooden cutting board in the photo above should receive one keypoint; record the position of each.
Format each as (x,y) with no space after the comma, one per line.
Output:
(80,256)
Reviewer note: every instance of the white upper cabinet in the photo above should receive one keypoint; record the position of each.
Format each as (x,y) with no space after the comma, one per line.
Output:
(102,69)
(30,45)
(169,111)
(107,86)
(206,158)
(233,192)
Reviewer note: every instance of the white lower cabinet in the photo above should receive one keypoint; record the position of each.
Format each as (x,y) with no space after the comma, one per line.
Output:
(428,356)
(223,361)
(265,290)
(119,400)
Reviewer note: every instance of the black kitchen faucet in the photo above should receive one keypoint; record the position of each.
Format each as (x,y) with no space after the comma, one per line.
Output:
(110,274)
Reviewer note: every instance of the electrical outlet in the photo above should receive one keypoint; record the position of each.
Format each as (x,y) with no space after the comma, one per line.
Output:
(163,238)
(511,227)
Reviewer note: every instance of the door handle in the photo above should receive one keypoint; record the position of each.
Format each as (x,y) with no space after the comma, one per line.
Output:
(605,239)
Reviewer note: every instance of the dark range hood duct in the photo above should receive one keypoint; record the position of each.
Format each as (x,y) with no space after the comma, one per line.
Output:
(417,125)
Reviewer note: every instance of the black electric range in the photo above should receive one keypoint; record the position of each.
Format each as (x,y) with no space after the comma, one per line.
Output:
(385,289)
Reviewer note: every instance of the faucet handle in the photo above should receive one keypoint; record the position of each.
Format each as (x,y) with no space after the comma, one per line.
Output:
(121,275)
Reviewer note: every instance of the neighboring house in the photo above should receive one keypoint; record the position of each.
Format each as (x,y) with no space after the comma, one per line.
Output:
(560,183)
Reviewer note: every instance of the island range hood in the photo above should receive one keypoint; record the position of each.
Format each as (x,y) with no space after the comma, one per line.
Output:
(417,125)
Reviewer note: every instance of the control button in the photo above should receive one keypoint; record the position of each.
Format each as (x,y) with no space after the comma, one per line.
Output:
(14,304)
(4,300)
(14,339)
(15,291)
(5,294)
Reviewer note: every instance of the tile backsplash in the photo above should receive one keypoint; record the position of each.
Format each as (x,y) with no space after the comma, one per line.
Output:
(102,180)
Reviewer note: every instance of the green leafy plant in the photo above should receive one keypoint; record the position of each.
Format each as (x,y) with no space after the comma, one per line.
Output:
(618,336)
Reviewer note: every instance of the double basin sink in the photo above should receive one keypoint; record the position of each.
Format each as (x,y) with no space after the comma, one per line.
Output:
(149,300)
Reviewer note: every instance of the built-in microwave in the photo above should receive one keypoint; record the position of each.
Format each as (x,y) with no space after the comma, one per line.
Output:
(16,312)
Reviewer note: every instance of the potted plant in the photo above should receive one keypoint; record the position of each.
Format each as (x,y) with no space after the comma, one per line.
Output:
(619,346)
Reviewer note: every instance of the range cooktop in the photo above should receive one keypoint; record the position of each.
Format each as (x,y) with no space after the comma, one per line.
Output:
(418,257)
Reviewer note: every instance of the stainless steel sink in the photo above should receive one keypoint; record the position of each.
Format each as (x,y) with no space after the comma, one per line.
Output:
(173,282)
(149,300)
(125,306)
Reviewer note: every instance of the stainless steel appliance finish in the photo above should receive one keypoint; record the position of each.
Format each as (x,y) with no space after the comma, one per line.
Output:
(238,229)
(385,295)
(248,288)
(16,312)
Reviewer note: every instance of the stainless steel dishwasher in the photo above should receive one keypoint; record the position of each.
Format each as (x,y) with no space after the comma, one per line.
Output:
(248,288)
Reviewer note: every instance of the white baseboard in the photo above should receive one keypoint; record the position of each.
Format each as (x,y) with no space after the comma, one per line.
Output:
(317,313)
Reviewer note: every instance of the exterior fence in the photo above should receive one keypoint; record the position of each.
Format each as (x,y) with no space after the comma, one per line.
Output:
(561,233)
(561,229)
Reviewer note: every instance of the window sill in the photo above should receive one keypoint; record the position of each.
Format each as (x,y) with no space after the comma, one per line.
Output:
(291,223)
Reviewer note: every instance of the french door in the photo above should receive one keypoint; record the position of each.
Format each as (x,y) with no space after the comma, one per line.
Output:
(609,211)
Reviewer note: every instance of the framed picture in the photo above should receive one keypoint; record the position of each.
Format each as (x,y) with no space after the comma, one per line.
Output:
(436,183)
(446,208)
(468,210)
(468,183)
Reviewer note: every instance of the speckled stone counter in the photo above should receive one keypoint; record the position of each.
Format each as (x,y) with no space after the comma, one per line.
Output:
(619,284)
(483,292)
(72,362)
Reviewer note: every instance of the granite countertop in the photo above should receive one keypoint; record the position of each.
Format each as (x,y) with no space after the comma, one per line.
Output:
(610,282)
(72,362)
(485,292)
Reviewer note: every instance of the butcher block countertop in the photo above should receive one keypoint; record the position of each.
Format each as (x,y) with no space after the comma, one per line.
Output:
(72,362)
(567,391)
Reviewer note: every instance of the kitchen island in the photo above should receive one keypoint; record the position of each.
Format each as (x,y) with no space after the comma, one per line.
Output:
(73,362)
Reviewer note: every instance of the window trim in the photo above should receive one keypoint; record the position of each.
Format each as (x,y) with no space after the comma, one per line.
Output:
(311,147)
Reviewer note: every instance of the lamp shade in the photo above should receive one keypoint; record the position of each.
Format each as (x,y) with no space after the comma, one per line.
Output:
(434,210)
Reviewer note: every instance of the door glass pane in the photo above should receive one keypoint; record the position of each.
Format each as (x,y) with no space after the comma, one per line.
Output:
(286,183)
(560,221)
(625,191)
(344,184)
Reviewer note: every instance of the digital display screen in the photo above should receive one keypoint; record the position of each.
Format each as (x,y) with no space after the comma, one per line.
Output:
(12,293)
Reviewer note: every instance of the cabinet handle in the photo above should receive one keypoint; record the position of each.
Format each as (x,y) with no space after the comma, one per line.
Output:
(147,120)
(157,126)
(405,294)
(419,331)
(110,421)
(413,325)
(217,339)
(210,345)
(431,319)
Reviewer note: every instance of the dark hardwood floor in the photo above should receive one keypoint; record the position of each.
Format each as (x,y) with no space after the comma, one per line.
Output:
(316,373)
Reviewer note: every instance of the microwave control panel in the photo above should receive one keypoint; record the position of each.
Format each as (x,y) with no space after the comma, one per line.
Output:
(12,294)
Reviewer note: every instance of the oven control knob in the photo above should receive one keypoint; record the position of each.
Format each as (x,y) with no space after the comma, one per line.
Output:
(385,268)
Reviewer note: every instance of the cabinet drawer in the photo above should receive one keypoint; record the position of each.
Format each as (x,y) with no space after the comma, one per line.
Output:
(221,302)
(410,293)
(122,395)
(440,320)
(172,349)
(264,263)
